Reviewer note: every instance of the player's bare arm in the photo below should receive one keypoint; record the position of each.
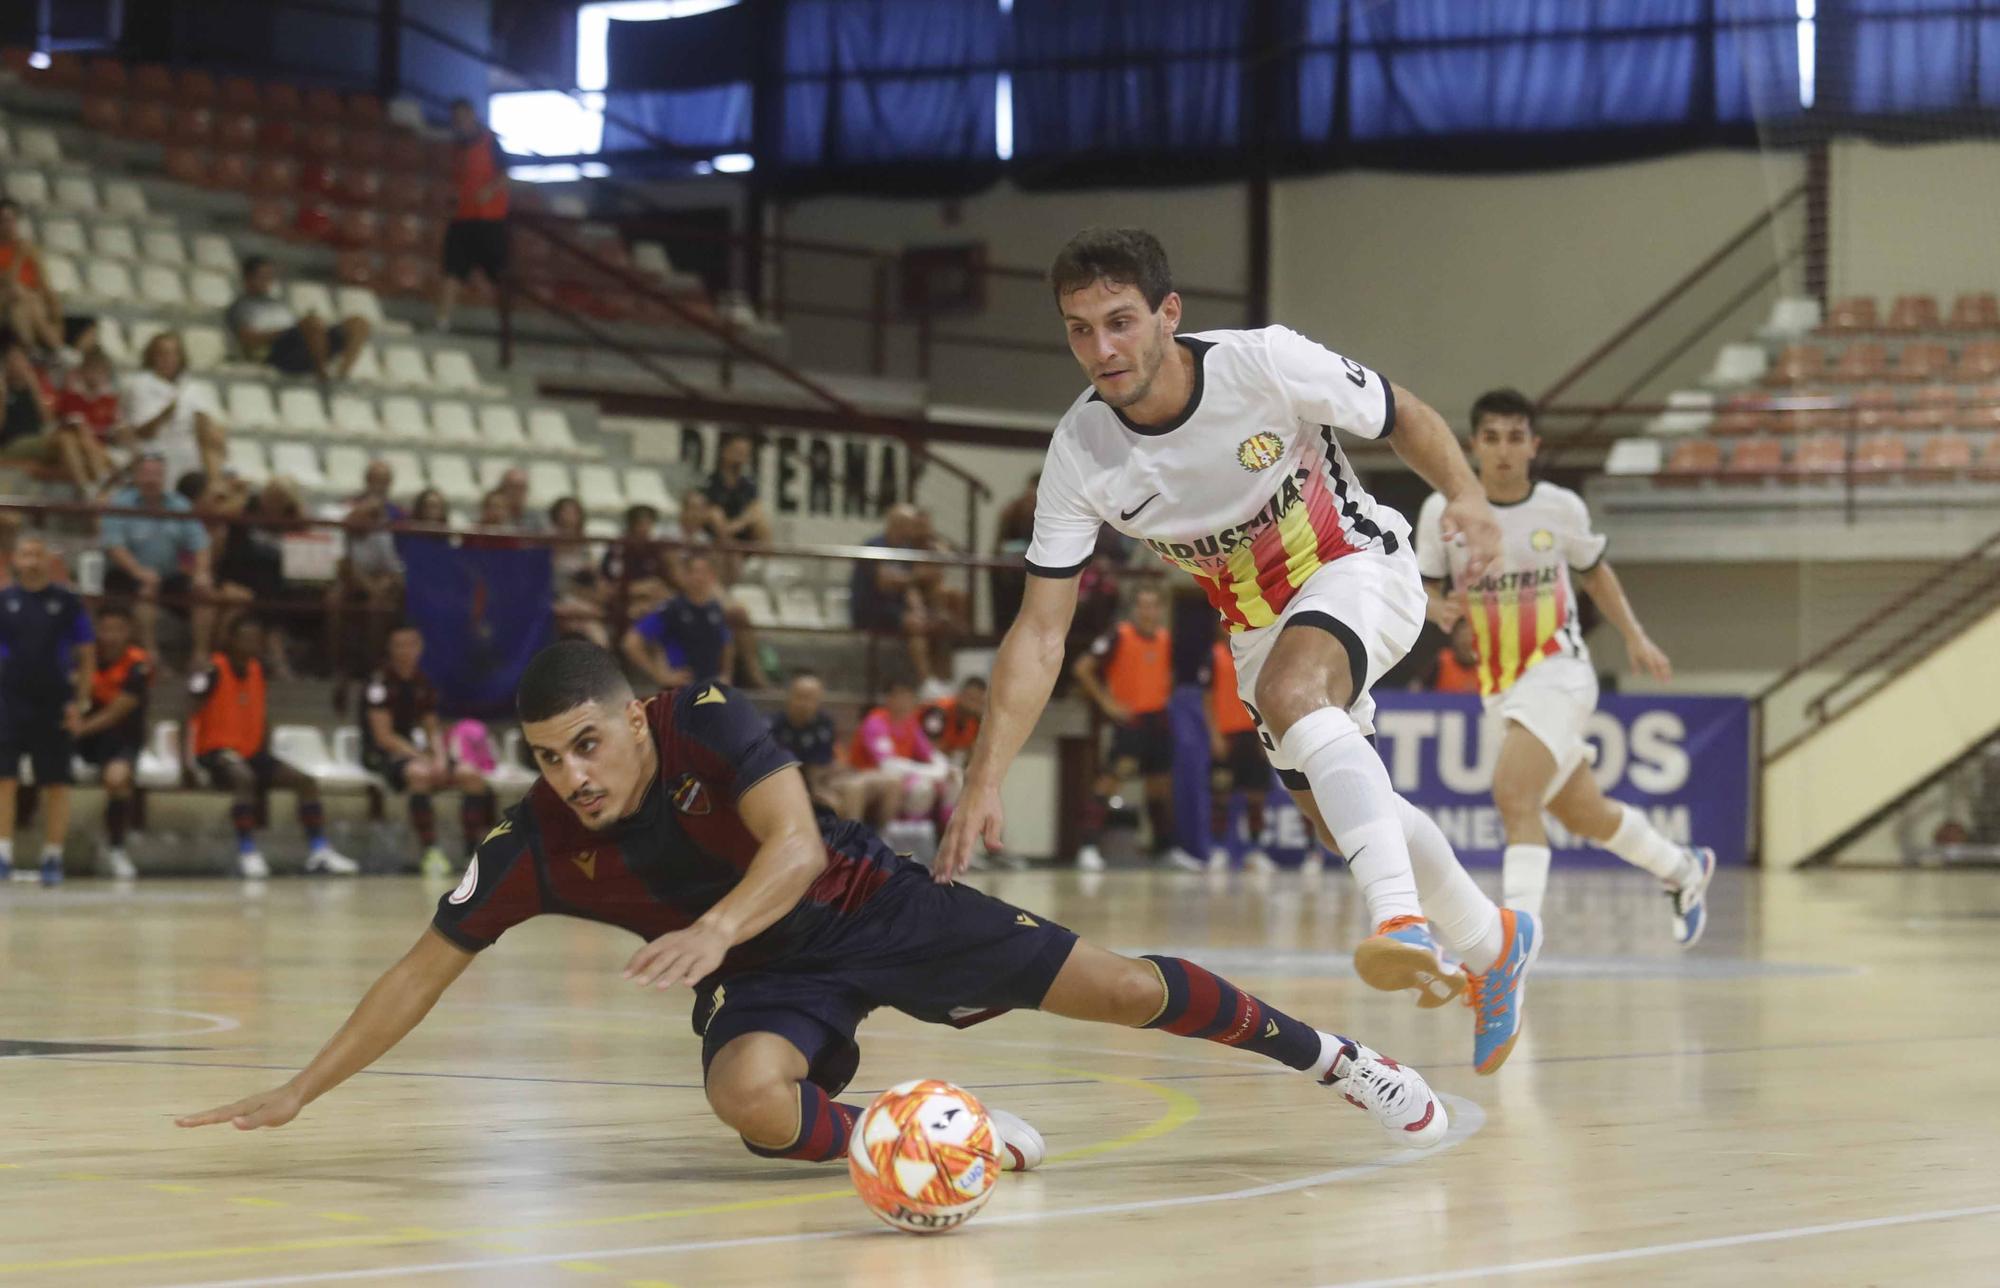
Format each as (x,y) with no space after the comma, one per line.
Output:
(1444,608)
(1024,674)
(1604,588)
(1427,445)
(386,1014)
(791,855)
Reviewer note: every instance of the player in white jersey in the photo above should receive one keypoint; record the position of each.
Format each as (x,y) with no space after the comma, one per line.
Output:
(1218,450)
(1535,670)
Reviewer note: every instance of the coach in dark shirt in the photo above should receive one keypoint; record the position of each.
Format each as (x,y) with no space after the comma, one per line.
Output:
(44,673)
(686,640)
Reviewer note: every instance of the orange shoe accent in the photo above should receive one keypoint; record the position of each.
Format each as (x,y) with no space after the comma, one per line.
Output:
(1397,923)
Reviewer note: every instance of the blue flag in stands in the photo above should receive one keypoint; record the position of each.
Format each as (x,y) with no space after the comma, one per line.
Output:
(484,612)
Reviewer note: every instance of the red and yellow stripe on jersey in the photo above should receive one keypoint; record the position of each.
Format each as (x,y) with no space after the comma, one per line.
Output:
(1252,571)
(1517,626)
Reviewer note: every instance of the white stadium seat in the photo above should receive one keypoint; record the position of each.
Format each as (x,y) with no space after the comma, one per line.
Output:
(207,348)
(111,339)
(354,414)
(302,411)
(548,482)
(509,774)
(548,431)
(75,192)
(210,289)
(452,476)
(38,147)
(305,748)
(62,275)
(500,428)
(403,417)
(162,287)
(143,332)
(164,246)
(212,250)
(108,282)
(251,407)
(246,460)
(113,241)
(403,367)
(358,302)
(125,199)
(29,187)
(644,486)
(1736,364)
(756,602)
(367,368)
(491,467)
(345,468)
(451,422)
(64,237)
(597,488)
(159,764)
(1633,456)
(839,606)
(454,371)
(201,392)
(407,469)
(300,463)
(311,297)
(651,257)
(800,606)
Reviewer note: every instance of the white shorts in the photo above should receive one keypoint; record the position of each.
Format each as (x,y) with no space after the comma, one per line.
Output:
(1372,603)
(1553,700)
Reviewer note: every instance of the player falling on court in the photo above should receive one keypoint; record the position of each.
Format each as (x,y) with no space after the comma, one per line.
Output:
(679,817)
(1535,670)
(1218,451)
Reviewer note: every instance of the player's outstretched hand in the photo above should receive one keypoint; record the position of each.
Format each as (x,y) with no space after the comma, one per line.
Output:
(1647,659)
(976,819)
(678,957)
(273,1108)
(1469,519)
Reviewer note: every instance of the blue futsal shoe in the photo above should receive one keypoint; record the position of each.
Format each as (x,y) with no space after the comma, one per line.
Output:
(1690,902)
(1496,996)
(1402,954)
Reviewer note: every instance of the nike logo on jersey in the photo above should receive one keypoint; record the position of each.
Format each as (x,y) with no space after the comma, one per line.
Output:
(1023,919)
(1127,515)
(713,695)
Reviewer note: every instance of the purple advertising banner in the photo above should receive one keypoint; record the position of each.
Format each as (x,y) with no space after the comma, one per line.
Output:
(1684,761)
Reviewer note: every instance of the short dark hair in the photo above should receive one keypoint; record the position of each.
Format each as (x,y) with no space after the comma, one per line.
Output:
(248,619)
(1121,256)
(633,513)
(972,682)
(252,264)
(564,676)
(1501,402)
(113,610)
(8,203)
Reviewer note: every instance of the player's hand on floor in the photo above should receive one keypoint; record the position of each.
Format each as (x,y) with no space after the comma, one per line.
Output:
(1647,658)
(976,819)
(273,1108)
(1469,518)
(678,957)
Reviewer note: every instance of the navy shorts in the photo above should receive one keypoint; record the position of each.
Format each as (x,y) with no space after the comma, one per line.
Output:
(945,954)
(1243,767)
(37,733)
(1146,745)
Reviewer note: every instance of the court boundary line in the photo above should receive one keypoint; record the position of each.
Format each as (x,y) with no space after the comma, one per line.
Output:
(1467,1119)
(1644,1251)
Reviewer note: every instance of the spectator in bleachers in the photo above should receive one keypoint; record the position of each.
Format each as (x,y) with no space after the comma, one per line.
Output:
(162,553)
(636,563)
(228,736)
(513,492)
(169,416)
(890,745)
(270,330)
(694,527)
(31,435)
(579,606)
(732,488)
(430,507)
(475,241)
(44,673)
(88,404)
(113,731)
(893,597)
(803,728)
(398,702)
(369,578)
(687,639)
(250,563)
(1012,531)
(952,722)
(28,305)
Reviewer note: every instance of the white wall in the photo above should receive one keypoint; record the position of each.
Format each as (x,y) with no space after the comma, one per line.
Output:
(1914,219)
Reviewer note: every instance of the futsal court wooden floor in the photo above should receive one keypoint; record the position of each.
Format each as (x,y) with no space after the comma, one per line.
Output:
(1806,1099)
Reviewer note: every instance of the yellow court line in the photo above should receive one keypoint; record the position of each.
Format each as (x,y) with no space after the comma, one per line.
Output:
(1181,1109)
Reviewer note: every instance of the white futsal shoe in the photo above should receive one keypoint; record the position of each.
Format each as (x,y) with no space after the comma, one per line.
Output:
(1088,859)
(1180,860)
(327,861)
(1022,1148)
(1397,1097)
(1218,858)
(1258,861)
(250,866)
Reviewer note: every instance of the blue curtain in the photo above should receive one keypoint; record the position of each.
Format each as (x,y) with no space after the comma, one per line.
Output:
(876,83)
(715,120)
(1888,58)
(1147,81)
(1757,61)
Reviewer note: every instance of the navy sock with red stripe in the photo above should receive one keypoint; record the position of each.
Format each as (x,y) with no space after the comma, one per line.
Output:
(423,819)
(824,1126)
(1203,1005)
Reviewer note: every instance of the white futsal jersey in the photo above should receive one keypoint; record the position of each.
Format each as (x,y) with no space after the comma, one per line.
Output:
(1248,491)
(1524,609)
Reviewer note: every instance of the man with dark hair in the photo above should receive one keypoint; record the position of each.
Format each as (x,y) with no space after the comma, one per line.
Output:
(271,331)
(679,818)
(732,488)
(113,731)
(803,728)
(1128,677)
(952,722)
(398,701)
(44,673)
(687,639)
(634,563)
(228,738)
(475,241)
(1218,451)
(1535,671)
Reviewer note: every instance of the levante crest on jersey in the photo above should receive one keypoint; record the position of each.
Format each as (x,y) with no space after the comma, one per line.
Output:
(690,797)
(1260,451)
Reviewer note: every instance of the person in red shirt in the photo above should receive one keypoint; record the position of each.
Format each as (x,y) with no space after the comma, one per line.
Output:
(28,306)
(88,403)
(476,239)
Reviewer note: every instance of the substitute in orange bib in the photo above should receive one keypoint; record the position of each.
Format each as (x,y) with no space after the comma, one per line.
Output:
(228,736)
(952,722)
(1237,767)
(114,729)
(1535,671)
(1128,674)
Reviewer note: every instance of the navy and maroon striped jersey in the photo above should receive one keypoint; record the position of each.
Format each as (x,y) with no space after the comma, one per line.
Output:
(672,859)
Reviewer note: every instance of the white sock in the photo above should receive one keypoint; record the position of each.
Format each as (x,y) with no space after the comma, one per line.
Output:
(1640,844)
(1524,877)
(6,851)
(1351,786)
(1329,1051)
(1459,912)
(51,851)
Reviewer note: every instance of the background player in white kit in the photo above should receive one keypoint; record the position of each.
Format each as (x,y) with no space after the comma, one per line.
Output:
(1535,670)
(1218,451)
